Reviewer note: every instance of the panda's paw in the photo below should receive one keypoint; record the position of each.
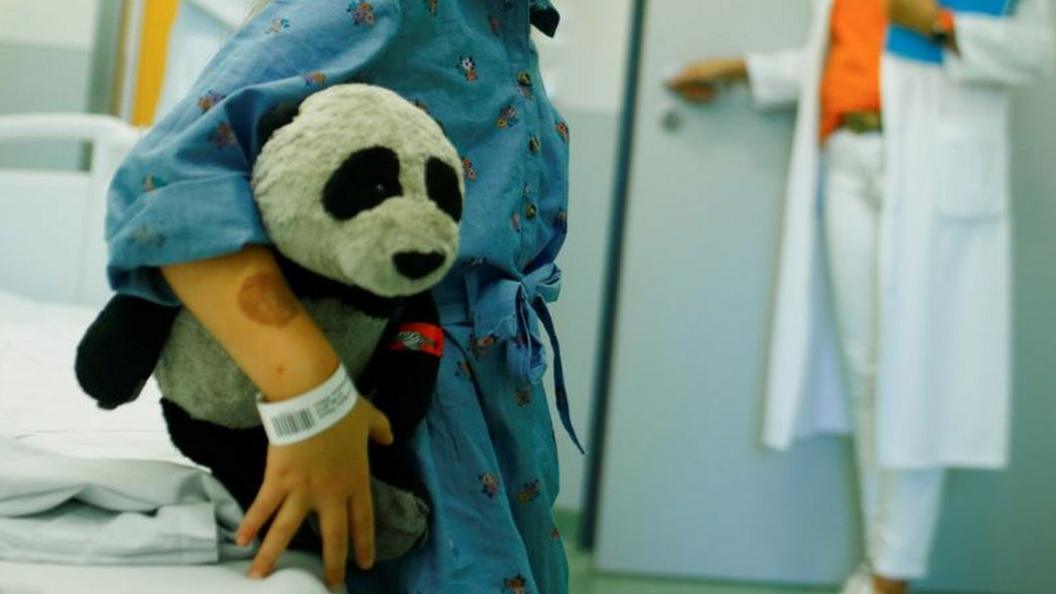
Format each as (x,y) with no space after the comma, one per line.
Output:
(401,521)
(110,392)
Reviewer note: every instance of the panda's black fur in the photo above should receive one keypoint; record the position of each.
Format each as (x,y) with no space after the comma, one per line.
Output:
(133,338)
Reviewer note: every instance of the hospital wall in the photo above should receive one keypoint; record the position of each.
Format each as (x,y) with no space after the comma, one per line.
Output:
(45,64)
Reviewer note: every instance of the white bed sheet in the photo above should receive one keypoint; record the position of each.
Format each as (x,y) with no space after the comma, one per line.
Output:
(42,405)
(297,573)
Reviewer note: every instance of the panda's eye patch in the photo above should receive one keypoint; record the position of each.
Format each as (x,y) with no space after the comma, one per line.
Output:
(441,181)
(364,180)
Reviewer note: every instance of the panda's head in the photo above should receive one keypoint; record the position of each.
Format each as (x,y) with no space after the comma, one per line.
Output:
(360,186)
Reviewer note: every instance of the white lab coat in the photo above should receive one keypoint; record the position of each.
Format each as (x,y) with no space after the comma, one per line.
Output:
(944,389)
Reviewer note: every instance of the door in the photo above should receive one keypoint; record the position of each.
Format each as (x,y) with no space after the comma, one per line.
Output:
(686,488)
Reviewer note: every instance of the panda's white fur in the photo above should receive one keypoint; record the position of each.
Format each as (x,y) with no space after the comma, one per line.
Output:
(295,166)
(288,180)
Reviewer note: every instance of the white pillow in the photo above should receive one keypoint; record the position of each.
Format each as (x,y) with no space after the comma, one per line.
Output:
(41,403)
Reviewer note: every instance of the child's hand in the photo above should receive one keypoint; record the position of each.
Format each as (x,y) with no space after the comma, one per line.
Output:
(330,475)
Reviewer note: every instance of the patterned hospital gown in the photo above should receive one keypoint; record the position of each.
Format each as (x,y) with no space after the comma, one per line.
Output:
(487,448)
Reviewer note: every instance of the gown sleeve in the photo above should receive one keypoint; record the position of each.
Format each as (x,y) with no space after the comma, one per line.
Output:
(1006,51)
(183,194)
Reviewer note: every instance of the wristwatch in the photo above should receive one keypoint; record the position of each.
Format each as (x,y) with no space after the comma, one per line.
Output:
(942,28)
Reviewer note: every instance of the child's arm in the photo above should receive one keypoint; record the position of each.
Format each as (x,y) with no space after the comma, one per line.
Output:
(184,195)
(245,302)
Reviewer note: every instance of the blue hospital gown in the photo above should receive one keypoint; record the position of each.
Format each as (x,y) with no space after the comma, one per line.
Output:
(487,449)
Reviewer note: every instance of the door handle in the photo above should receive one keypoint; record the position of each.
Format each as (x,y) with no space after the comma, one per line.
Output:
(672,120)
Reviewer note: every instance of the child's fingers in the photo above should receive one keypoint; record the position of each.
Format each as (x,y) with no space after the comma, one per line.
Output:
(362,513)
(279,536)
(333,526)
(380,429)
(264,506)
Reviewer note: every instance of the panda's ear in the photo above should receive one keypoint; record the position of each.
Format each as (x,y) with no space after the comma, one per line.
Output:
(278,117)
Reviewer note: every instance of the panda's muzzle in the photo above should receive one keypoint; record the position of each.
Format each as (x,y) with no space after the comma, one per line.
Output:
(416,265)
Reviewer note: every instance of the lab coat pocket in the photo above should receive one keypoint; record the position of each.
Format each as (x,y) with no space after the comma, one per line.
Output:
(969,167)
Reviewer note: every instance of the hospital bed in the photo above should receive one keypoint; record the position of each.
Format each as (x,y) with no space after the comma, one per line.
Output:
(52,257)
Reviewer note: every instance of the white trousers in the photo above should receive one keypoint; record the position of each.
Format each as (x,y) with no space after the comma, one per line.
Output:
(900,508)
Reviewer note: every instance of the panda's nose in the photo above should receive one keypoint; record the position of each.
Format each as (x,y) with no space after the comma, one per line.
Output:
(416,265)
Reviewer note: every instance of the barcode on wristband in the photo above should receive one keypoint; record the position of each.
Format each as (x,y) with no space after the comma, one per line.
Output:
(293,423)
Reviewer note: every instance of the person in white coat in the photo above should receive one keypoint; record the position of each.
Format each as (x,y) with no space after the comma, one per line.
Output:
(895,249)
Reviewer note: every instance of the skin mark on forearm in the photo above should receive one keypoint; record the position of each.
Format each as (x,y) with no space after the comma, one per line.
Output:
(266,299)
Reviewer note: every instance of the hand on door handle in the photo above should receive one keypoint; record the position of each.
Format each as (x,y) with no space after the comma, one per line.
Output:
(699,82)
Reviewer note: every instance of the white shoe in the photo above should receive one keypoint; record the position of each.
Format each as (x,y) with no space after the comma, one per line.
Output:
(860,582)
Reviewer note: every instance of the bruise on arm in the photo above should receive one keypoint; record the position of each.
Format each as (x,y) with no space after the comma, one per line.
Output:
(266,299)
(245,302)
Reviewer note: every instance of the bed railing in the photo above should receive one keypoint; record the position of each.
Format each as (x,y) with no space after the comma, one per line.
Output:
(51,221)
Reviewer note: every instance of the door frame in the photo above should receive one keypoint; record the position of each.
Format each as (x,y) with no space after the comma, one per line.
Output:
(611,284)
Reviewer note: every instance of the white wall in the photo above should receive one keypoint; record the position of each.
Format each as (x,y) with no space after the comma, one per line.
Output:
(68,24)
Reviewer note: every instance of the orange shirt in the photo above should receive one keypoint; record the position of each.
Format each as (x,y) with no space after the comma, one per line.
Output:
(852,74)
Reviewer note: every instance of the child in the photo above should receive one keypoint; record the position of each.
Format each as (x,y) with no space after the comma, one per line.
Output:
(183,229)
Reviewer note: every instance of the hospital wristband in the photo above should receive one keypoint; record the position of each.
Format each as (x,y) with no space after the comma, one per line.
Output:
(305,416)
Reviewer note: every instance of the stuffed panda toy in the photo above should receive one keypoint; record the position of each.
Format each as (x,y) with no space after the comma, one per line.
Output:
(361,195)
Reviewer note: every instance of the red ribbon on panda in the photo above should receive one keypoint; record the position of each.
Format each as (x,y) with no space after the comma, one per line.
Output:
(422,338)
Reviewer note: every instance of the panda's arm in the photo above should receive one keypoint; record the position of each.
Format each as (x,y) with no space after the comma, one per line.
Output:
(121,349)
(402,374)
